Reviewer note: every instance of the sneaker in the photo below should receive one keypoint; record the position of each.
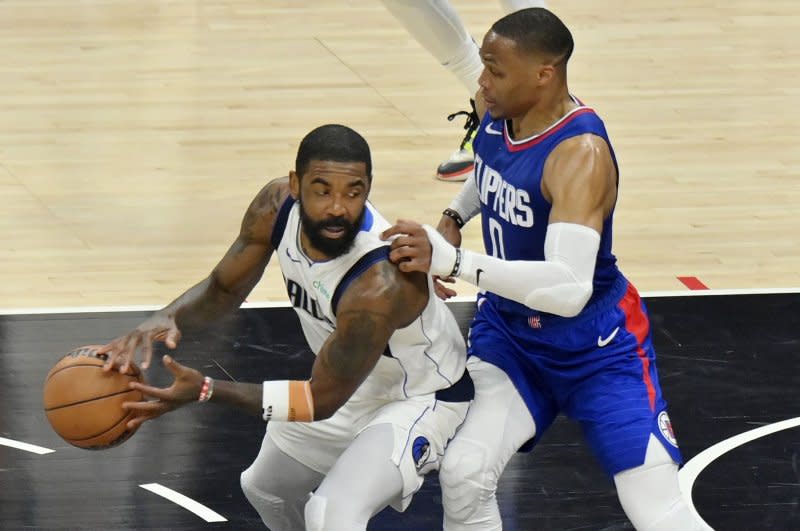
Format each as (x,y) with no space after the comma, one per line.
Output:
(460,164)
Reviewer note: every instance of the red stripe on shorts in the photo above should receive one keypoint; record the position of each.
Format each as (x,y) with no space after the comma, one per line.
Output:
(636,323)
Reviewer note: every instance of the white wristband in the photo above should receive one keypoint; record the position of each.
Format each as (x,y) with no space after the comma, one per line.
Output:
(275,399)
(288,400)
(444,257)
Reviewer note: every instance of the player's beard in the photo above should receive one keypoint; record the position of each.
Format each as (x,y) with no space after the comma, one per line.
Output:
(331,247)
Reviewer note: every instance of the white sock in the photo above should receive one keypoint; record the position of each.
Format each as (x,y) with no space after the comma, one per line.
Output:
(439,29)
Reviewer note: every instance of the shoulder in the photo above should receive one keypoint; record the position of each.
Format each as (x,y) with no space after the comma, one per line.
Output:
(259,219)
(584,150)
(384,289)
(271,197)
(581,171)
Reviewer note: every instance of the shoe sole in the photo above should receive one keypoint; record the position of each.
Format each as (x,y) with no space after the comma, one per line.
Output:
(458,176)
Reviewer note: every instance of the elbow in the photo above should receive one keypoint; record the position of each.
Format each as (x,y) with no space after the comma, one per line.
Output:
(564,300)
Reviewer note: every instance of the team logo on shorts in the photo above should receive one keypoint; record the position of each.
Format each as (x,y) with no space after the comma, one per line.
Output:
(421,451)
(665,427)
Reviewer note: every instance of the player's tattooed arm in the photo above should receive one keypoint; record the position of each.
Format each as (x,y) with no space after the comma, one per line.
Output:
(379,302)
(221,292)
(242,266)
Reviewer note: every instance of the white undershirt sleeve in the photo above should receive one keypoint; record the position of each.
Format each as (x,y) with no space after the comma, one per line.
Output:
(467,202)
(561,284)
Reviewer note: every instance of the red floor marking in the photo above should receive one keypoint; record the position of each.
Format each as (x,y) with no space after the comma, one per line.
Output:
(692,283)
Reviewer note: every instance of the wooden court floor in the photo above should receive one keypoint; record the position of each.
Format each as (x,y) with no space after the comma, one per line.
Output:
(133,134)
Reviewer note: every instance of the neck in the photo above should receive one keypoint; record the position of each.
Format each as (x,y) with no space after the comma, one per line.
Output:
(310,251)
(547,111)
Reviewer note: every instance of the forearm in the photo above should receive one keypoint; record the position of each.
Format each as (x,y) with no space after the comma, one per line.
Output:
(203,303)
(561,284)
(245,396)
(284,400)
(540,285)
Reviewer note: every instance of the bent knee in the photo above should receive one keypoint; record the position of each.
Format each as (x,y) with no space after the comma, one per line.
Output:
(270,506)
(320,515)
(315,512)
(467,478)
(248,481)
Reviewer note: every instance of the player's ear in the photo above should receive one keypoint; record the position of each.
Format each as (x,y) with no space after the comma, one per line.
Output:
(545,74)
(294,184)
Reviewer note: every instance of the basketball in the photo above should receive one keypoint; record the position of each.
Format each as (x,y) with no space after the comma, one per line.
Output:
(84,404)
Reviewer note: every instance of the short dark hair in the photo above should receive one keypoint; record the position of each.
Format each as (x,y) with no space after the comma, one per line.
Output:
(537,31)
(333,142)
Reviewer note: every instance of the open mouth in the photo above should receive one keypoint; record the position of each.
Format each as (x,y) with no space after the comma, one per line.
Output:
(334,231)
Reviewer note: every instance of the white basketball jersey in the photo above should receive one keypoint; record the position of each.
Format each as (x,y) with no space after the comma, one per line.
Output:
(426,356)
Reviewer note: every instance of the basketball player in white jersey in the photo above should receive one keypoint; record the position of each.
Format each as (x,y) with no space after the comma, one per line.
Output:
(388,387)
(435,24)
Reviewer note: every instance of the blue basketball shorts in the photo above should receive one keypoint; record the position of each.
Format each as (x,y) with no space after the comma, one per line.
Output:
(598,368)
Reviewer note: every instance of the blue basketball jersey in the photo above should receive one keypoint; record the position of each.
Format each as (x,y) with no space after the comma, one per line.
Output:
(514,213)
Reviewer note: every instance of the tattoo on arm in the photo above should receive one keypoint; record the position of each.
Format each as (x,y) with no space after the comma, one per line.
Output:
(350,354)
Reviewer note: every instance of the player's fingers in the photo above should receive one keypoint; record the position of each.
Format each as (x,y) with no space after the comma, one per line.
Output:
(173,337)
(128,352)
(402,226)
(108,350)
(413,264)
(149,406)
(402,253)
(149,390)
(147,351)
(448,292)
(170,363)
(136,422)
(105,349)
(140,419)
(440,292)
(394,230)
(399,242)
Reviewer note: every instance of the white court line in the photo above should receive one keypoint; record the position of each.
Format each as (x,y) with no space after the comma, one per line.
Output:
(688,474)
(116,309)
(19,445)
(705,292)
(460,298)
(187,503)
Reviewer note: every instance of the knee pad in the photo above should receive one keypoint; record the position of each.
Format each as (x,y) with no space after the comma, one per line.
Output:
(269,507)
(315,513)
(465,479)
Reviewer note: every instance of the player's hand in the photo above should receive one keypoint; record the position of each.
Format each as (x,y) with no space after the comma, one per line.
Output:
(420,248)
(442,291)
(123,350)
(411,250)
(184,389)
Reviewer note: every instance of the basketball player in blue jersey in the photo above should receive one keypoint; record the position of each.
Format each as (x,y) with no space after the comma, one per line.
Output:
(557,328)
(388,387)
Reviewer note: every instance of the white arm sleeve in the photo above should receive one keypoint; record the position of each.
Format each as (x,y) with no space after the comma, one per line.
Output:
(561,284)
(467,202)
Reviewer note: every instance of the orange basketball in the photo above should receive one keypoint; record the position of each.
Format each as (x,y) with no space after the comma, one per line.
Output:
(84,404)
